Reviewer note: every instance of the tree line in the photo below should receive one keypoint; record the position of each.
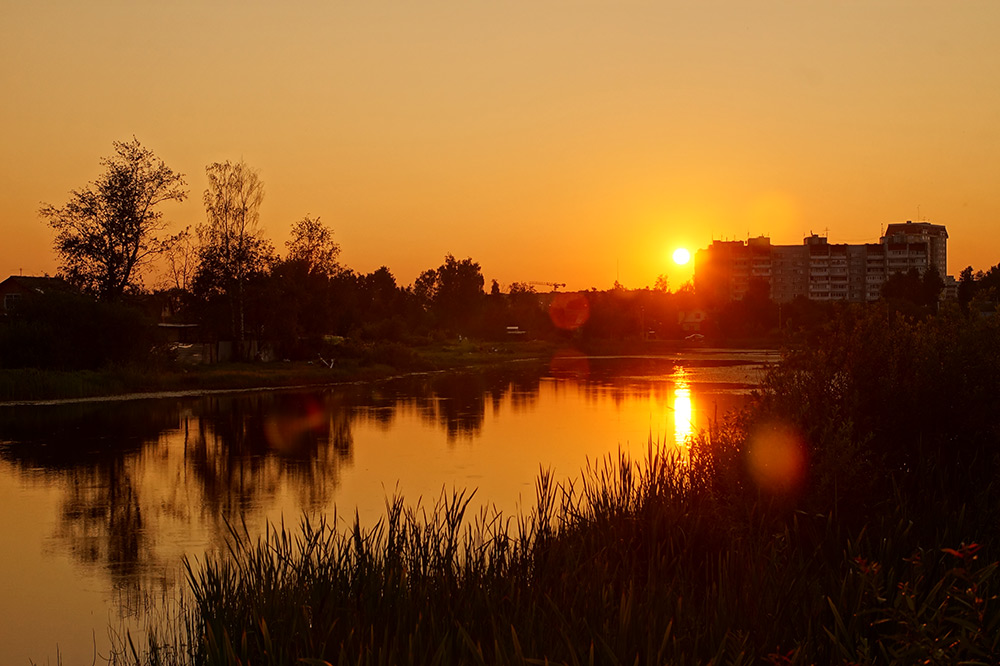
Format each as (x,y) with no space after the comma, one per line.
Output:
(226,277)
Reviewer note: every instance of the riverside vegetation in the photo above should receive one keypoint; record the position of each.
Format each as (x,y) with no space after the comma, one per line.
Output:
(881,550)
(347,362)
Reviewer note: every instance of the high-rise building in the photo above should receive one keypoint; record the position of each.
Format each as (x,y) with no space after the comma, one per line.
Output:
(920,238)
(817,269)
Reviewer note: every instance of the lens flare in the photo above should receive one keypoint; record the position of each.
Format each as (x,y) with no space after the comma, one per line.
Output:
(569,311)
(777,459)
(287,433)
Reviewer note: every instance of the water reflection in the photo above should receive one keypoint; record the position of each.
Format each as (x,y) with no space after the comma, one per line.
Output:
(139,484)
(683,412)
(100,520)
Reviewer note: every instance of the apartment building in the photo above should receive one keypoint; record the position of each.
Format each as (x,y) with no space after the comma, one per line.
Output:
(817,269)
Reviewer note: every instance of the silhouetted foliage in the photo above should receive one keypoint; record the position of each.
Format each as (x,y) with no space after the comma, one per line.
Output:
(453,292)
(884,391)
(979,292)
(67,331)
(298,308)
(966,288)
(107,231)
(920,291)
(232,251)
(312,243)
(754,316)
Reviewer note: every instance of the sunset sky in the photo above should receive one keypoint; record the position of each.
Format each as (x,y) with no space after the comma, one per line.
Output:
(570,142)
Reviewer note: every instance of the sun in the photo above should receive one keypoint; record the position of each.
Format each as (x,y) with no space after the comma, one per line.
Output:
(681,256)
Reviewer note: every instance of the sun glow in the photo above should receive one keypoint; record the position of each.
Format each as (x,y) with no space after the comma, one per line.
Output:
(681,256)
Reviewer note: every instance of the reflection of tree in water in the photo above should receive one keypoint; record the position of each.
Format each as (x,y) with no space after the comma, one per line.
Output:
(101,521)
(629,378)
(376,404)
(243,449)
(131,471)
(61,437)
(458,404)
(455,401)
(89,448)
(126,468)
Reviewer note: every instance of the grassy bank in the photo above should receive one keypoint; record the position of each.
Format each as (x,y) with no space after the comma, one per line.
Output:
(353,363)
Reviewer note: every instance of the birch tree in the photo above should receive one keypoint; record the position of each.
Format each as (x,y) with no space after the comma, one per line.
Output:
(232,249)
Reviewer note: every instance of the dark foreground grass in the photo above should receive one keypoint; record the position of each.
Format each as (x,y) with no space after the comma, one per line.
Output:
(637,563)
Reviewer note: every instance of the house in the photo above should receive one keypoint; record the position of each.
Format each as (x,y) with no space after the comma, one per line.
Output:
(19,287)
(691,321)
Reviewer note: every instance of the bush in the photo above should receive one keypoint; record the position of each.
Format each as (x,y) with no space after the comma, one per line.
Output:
(884,393)
(70,332)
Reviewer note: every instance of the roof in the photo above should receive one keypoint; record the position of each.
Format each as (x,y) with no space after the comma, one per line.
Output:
(916,228)
(38,285)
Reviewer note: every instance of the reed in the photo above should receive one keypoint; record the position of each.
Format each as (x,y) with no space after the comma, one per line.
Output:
(636,562)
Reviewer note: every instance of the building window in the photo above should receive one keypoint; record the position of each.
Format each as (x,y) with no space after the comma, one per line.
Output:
(10,301)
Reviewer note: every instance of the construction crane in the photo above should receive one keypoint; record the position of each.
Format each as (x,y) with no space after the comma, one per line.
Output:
(555,285)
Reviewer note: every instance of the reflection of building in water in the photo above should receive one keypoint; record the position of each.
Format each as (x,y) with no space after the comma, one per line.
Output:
(816,269)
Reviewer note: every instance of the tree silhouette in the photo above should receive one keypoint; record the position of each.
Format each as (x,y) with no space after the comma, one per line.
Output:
(312,243)
(108,231)
(232,250)
(914,288)
(459,294)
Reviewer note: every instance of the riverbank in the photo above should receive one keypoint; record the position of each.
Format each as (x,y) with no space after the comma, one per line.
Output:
(360,363)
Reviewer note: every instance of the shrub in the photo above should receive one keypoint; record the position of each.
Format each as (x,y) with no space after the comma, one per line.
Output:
(69,331)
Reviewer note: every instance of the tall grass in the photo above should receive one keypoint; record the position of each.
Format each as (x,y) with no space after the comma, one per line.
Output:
(637,562)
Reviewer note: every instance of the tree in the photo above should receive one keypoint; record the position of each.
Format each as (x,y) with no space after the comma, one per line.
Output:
(931,286)
(425,287)
(181,262)
(453,291)
(232,250)
(966,288)
(107,232)
(312,243)
(912,287)
(459,291)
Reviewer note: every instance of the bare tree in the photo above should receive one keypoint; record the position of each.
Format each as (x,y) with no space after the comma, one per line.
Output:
(231,247)
(107,232)
(181,262)
(312,243)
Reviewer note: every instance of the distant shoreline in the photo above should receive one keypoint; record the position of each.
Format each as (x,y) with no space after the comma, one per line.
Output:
(35,387)
(29,386)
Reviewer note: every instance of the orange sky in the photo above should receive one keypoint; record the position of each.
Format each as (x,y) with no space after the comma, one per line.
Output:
(551,141)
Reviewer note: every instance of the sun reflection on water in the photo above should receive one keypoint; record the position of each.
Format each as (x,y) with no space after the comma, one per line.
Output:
(683,411)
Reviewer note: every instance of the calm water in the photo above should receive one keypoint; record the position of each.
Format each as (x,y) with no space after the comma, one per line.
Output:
(99,501)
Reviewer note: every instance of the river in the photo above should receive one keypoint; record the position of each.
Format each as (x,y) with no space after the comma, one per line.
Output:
(100,501)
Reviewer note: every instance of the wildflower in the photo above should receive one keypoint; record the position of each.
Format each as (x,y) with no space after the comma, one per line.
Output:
(964,552)
(867,567)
